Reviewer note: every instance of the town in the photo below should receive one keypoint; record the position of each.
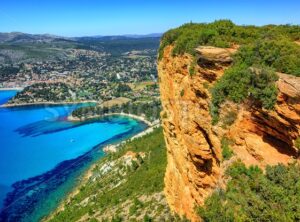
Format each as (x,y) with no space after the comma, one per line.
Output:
(88,75)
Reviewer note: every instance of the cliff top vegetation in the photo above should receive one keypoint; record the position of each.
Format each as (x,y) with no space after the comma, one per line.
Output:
(262,52)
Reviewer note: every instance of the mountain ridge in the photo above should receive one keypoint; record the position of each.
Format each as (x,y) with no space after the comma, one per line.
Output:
(20,37)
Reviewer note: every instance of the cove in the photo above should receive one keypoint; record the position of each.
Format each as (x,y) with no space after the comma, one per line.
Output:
(42,155)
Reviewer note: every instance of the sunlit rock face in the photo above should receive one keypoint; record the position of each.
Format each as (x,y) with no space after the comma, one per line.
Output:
(195,168)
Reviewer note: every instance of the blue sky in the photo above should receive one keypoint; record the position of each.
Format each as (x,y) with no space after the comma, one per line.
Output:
(113,17)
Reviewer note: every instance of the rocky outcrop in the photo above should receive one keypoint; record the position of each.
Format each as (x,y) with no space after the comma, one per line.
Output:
(214,55)
(258,136)
(268,137)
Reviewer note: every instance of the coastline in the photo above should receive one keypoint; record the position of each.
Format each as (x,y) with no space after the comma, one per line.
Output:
(85,176)
(47,103)
(89,172)
(140,118)
(61,206)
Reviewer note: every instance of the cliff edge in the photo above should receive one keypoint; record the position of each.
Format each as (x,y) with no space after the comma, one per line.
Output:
(194,145)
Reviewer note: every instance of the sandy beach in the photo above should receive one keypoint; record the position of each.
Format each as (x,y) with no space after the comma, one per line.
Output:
(112,148)
(140,118)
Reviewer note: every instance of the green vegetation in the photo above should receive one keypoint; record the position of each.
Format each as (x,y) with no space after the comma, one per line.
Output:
(24,50)
(241,82)
(281,55)
(223,33)
(263,50)
(5,71)
(192,68)
(43,92)
(164,115)
(112,186)
(229,118)
(151,110)
(117,46)
(297,143)
(227,153)
(187,37)
(182,93)
(122,88)
(35,51)
(252,195)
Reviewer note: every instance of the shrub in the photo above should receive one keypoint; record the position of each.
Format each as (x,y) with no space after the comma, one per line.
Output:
(229,118)
(263,87)
(165,115)
(182,93)
(233,85)
(206,85)
(224,33)
(117,219)
(214,112)
(240,82)
(297,143)
(227,153)
(167,39)
(253,196)
(281,55)
(192,67)
(147,218)
(133,209)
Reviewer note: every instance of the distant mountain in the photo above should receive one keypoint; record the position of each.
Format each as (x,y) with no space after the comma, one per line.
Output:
(19,37)
(117,37)
(20,47)
(152,35)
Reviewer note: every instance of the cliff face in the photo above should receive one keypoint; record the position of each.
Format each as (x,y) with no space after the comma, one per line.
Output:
(195,167)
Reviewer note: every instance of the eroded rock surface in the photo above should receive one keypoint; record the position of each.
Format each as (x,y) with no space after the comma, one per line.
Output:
(259,136)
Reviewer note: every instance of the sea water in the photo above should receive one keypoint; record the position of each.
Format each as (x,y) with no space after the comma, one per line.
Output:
(42,154)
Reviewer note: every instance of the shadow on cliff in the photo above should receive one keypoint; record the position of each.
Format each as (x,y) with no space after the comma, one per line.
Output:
(279,145)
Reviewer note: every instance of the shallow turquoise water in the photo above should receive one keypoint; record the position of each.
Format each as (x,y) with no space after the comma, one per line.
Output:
(42,155)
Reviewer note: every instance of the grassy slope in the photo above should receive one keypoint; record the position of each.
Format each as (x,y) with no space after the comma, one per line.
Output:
(125,192)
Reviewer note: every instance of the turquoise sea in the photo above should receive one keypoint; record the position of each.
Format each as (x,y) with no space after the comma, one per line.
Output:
(42,155)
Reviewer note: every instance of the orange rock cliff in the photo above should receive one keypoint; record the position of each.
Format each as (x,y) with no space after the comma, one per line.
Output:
(195,167)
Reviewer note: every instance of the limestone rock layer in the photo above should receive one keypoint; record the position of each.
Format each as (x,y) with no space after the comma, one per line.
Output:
(195,167)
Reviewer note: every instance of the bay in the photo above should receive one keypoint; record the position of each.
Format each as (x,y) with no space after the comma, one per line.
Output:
(42,155)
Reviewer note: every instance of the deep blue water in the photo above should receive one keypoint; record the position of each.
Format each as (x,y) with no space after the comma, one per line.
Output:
(42,155)
(6,95)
